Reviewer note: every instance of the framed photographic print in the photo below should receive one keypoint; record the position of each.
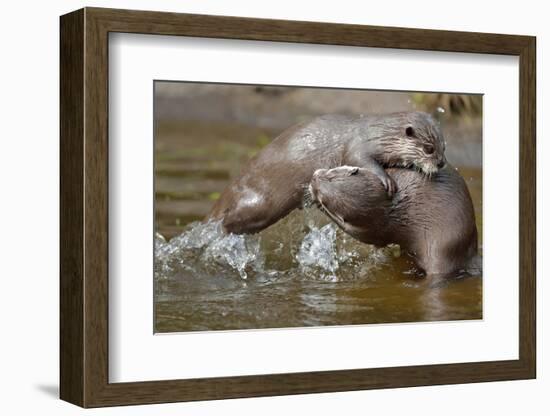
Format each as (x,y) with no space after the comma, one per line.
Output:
(261,207)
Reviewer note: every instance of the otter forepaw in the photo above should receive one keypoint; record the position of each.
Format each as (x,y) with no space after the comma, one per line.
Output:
(389,185)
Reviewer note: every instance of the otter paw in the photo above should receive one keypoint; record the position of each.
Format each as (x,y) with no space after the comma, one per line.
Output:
(389,185)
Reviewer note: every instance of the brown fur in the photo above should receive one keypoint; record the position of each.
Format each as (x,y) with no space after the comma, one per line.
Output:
(433,219)
(272,184)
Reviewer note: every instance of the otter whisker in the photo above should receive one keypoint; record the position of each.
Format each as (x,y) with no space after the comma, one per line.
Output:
(336,218)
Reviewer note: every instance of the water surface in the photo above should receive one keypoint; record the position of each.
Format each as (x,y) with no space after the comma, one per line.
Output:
(302,271)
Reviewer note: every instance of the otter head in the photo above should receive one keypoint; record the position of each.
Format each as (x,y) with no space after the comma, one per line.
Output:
(410,139)
(350,196)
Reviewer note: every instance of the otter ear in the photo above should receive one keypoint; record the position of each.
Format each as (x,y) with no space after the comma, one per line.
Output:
(409,131)
(353,171)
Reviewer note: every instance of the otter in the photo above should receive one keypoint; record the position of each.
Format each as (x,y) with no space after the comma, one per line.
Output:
(432,220)
(273,183)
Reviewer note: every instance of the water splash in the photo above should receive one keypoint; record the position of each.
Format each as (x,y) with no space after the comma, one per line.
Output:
(298,248)
(240,252)
(318,251)
(207,243)
(328,254)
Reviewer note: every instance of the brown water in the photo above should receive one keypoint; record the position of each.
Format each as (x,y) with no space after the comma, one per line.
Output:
(302,271)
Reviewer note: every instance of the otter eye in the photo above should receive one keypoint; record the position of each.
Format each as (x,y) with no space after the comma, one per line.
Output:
(354,171)
(409,131)
(428,149)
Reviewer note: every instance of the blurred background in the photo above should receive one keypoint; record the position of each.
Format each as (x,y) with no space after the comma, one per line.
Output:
(204,133)
(305,269)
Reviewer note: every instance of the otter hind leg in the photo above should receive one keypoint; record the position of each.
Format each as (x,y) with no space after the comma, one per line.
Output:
(245,221)
(254,212)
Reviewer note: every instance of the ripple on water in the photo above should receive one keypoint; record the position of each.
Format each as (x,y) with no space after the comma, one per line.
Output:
(302,271)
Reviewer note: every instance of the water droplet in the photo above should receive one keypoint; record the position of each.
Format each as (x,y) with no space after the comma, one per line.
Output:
(209,244)
(318,250)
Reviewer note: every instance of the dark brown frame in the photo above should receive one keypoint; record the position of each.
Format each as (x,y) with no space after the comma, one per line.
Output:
(84,208)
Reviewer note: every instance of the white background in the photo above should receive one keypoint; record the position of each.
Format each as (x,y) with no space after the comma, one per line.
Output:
(136,355)
(29,217)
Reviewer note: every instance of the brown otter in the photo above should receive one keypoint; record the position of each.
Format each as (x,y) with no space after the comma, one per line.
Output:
(431,219)
(272,184)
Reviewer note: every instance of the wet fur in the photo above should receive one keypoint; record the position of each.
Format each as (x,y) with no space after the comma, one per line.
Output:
(272,184)
(433,219)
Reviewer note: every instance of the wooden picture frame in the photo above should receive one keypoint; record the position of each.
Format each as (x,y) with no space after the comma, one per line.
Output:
(84,207)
